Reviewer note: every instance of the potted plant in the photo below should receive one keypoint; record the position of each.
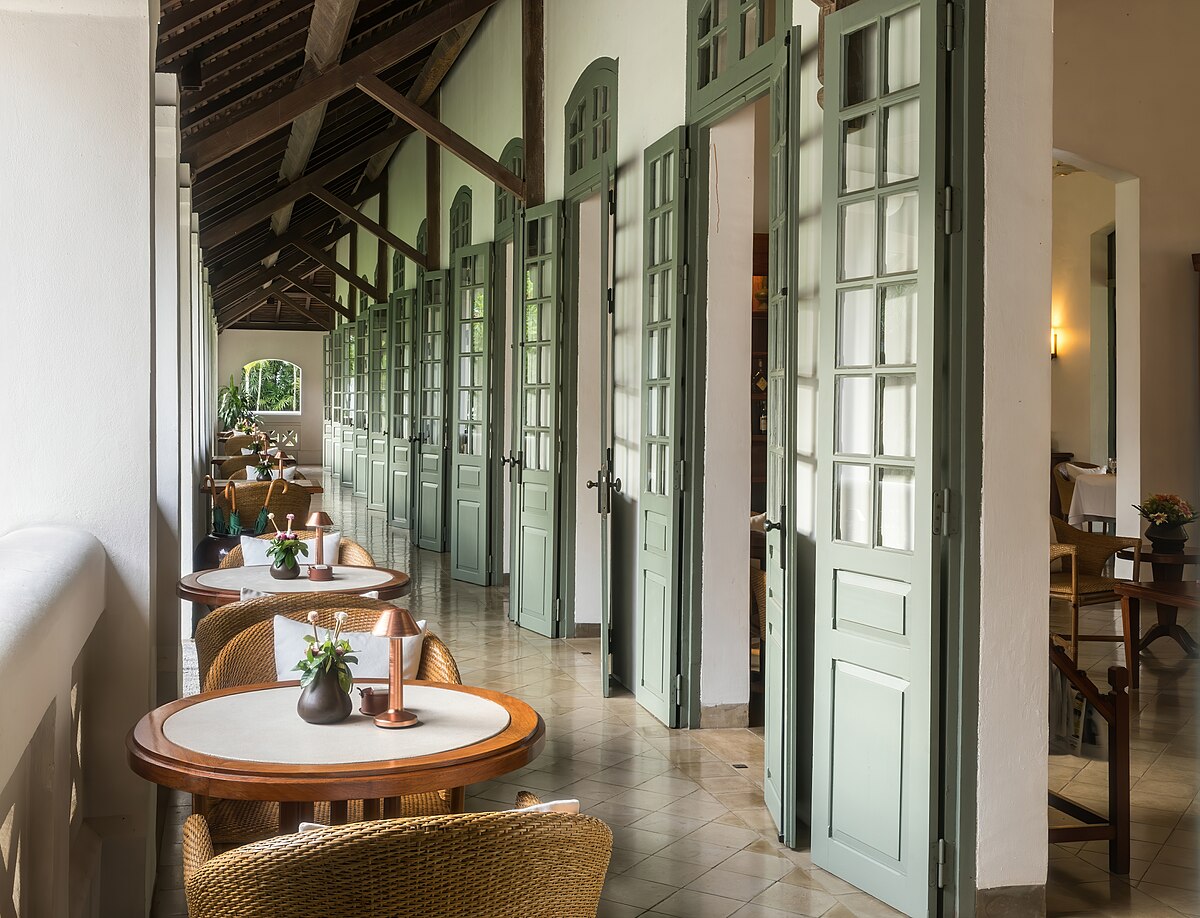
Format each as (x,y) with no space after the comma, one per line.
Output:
(1167,514)
(325,679)
(232,405)
(261,471)
(283,549)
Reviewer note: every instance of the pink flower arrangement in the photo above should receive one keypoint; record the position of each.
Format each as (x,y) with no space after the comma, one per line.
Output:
(285,545)
(1166,510)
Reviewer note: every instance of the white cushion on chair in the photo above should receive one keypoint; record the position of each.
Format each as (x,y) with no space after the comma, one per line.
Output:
(372,651)
(254,550)
(553,806)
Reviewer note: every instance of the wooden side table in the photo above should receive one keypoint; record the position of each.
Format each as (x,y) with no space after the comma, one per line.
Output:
(1168,569)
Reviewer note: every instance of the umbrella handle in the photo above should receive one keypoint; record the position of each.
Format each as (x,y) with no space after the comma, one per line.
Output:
(210,485)
(231,496)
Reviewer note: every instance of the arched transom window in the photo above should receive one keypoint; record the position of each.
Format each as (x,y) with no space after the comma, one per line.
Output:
(271,384)
(591,119)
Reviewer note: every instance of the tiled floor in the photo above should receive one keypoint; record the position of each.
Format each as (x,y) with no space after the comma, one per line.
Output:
(692,838)
(1164,878)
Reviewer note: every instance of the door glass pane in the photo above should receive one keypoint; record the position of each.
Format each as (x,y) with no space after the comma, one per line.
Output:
(898,416)
(900,232)
(858,152)
(855,415)
(896,509)
(902,144)
(904,49)
(857,254)
(852,503)
(898,326)
(861,55)
(856,328)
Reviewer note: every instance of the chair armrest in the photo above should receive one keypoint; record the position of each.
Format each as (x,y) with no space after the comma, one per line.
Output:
(197,846)
(527,798)
(1061,550)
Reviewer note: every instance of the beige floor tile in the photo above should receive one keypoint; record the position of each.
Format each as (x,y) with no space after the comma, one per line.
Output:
(629,890)
(797,900)
(690,903)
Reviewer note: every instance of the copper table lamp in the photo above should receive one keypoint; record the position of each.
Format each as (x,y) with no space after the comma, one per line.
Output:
(395,624)
(319,520)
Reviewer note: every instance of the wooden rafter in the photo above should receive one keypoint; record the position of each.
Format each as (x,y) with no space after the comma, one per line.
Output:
(214,87)
(323,258)
(375,229)
(533,90)
(184,40)
(302,309)
(445,137)
(242,309)
(283,28)
(301,283)
(264,120)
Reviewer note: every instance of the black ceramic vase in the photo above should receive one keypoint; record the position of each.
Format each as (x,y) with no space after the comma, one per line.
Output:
(1166,538)
(322,701)
(283,572)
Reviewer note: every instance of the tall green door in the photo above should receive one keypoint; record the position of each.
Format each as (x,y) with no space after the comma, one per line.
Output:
(327,402)
(431,455)
(349,401)
(405,438)
(659,507)
(779,734)
(337,401)
(362,400)
(879,582)
(471,464)
(534,577)
(377,408)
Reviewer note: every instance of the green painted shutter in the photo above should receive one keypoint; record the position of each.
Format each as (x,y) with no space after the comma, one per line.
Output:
(471,462)
(403,405)
(659,504)
(362,397)
(431,471)
(327,402)
(534,575)
(349,401)
(377,408)
(878,577)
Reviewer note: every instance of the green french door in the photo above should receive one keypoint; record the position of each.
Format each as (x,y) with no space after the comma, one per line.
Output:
(606,482)
(659,504)
(362,384)
(327,402)
(471,463)
(379,320)
(879,581)
(779,734)
(337,400)
(534,577)
(349,401)
(404,439)
(431,451)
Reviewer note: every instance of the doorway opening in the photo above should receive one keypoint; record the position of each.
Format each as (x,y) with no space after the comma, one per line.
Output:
(734,546)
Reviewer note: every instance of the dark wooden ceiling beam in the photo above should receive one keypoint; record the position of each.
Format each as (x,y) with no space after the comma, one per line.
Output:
(533,90)
(444,136)
(318,178)
(222,107)
(325,260)
(378,231)
(183,41)
(313,292)
(243,309)
(284,27)
(215,87)
(321,321)
(430,25)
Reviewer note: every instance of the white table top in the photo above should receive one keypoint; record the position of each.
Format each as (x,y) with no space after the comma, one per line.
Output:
(258,577)
(1095,497)
(263,726)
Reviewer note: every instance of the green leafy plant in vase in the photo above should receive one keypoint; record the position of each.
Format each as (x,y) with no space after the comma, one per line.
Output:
(283,550)
(262,471)
(1167,514)
(325,679)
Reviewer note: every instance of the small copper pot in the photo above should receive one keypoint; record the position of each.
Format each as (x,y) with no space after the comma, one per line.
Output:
(373,702)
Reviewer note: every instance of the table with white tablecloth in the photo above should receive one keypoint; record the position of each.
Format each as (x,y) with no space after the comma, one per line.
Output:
(1094,500)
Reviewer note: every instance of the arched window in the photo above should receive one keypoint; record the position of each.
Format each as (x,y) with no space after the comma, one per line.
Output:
(732,41)
(591,119)
(271,384)
(460,219)
(423,238)
(398,266)
(512,159)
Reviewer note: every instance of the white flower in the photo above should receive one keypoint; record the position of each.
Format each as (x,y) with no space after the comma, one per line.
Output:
(340,617)
(312,617)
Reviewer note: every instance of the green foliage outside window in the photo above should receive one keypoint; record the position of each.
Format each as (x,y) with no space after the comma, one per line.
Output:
(271,385)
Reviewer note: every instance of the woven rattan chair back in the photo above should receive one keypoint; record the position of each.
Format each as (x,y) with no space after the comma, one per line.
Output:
(222,625)
(235,464)
(249,657)
(349,553)
(235,445)
(1092,549)
(482,865)
(250,499)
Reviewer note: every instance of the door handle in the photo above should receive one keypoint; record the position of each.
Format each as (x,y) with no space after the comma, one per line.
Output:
(599,490)
(769,526)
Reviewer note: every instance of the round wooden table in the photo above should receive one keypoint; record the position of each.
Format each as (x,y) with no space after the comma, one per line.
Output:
(248,743)
(219,587)
(1168,568)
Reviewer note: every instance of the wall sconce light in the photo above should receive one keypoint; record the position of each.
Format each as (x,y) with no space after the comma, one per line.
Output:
(1054,344)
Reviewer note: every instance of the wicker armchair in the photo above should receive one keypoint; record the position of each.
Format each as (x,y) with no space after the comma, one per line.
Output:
(235,444)
(235,464)
(235,645)
(1084,582)
(474,865)
(251,498)
(350,552)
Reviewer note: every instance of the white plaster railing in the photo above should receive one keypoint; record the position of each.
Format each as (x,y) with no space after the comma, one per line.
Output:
(52,583)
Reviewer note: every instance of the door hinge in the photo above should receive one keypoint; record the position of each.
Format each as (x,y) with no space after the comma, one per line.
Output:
(678,690)
(681,476)
(685,162)
(557,609)
(612,201)
(948,210)
(683,276)
(941,512)
(949,39)
(611,296)
(940,877)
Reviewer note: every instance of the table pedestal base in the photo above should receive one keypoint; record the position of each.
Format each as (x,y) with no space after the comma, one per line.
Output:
(1168,616)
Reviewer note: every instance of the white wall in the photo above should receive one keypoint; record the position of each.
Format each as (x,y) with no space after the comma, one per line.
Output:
(236,348)
(76,255)
(1122,79)
(1084,204)
(1012,742)
(725,561)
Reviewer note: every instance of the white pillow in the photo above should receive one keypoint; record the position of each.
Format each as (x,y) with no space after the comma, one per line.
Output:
(248,452)
(254,550)
(289,472)
(272,450)
(1074,471)
(372,651)
(758,522)
(554,806)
